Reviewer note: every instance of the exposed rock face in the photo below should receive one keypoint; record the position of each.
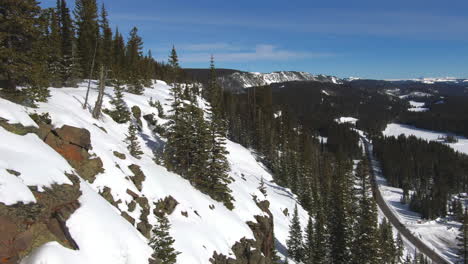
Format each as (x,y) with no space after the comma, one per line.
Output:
(166,206)
(24,227)
(245,253)
(73,144)
(258,251)
(138,176)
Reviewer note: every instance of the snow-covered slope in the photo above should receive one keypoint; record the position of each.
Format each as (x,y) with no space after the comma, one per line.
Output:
(103,236)
(240,80)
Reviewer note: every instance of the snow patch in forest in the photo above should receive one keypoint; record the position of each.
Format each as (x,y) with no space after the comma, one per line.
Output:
(395,130)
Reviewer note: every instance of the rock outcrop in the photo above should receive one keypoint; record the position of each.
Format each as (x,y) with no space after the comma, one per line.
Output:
(249,251)
(23,227)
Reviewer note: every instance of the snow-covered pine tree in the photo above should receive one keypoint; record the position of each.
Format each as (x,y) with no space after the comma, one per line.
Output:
(132,141)
(162,242)
(294,242)
(120,114)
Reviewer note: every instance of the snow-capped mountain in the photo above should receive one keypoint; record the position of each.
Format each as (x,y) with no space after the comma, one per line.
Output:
(240,80)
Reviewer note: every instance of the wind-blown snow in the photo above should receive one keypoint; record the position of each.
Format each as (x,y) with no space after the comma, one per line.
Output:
(101,233)
(407,130)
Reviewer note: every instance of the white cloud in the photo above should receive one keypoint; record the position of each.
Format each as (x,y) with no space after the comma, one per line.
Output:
(261,52)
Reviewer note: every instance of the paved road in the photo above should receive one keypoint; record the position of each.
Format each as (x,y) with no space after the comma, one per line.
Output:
(392,218)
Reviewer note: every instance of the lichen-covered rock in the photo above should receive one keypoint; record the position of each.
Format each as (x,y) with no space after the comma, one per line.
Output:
(73,144)
(74,135)
(138,176)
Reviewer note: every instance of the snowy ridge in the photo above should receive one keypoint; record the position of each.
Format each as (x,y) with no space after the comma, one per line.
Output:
(240,80)
(102,234)
(432,80)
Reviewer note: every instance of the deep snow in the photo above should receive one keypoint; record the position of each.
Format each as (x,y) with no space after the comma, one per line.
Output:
(102,235)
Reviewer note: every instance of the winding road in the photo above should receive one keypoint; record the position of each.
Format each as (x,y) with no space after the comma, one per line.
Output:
(420,246)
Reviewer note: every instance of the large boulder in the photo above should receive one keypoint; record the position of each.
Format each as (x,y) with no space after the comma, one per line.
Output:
(74,135)
(73,144)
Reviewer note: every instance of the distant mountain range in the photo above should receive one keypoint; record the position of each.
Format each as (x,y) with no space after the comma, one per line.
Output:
(239,80)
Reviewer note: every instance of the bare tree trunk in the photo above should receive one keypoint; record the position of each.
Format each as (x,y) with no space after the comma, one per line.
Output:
(102,85)
(90,75)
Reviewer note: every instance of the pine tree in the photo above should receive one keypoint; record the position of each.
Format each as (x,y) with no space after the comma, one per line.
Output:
(54,56)
(309,245)
(162,243)
(386,242)
(294,242)
(173,63)
(106,42)
(399,249)
(320,237)
(120,114)
(463,239)
(70,65)
(262,188)
(134,53)
(118,56)
(86,15)
(338,214)
(20,33)
(365,245)
(132,141)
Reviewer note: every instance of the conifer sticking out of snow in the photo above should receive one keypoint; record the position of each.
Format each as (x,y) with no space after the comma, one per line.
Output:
(132,141)
(120,114)
(161,241)
(262,187)
(294,242)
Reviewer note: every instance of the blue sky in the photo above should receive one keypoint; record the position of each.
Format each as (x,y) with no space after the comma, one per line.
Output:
(382,39)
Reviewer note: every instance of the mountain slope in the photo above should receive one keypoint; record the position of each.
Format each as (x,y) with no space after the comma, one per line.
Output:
(240,80)
(115,229)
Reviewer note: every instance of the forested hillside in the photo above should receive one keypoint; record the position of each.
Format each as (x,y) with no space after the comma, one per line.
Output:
(109,156)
